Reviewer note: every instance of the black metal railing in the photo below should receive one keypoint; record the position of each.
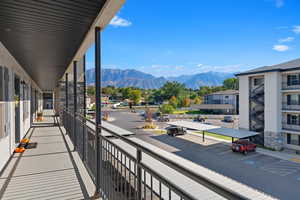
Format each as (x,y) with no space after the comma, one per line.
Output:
(125,176)
(292,105)
(291,85)
(291,126)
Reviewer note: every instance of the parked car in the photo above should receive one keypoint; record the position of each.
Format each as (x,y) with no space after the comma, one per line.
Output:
(199,119)
(243,146)
(228,119)
(164,118)
(174,131)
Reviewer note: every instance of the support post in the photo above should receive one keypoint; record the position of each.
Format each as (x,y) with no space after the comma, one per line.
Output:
(84,109)
(67,85)
(84,87)
(139,174)
(203,137)
(98,106)
(232,140)
(75,102)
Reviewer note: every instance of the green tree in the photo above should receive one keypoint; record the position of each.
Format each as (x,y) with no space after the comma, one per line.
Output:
(135,96)
(231,84)
(173,102)
(126,92)
(170,89)
(204,90)
(156,96)
(91,91)
(167,109)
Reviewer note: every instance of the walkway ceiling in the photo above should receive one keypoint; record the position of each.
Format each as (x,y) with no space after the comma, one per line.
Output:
(44,35)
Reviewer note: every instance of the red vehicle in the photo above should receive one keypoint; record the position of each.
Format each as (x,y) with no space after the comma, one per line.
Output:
(243,146)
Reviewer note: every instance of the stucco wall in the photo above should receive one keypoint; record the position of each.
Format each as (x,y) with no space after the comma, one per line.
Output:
(7,144)
(244,102)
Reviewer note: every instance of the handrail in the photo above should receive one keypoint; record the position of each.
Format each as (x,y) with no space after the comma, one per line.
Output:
(210,184)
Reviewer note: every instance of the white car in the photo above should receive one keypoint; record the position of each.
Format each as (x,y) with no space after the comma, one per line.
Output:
(90,112)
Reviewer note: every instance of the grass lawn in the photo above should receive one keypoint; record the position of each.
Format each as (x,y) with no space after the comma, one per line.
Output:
(217,136)
(187,112)
(180,111)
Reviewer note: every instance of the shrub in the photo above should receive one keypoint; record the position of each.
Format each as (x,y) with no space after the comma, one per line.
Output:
(167,109)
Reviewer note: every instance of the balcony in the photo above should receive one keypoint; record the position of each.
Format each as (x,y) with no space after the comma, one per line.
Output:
(293,85)
(291,106)
(291,127)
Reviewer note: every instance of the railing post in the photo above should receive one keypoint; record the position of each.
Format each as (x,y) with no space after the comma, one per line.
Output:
(75,102)
(67,85)
(98,106)
(84,110)
(139,174)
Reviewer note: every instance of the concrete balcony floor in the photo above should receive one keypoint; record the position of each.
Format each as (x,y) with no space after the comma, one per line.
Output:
(49,171)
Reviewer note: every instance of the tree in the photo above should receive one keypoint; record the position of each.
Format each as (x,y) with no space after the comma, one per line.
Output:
(173,102)
(126,92)
(204,90)
(156,96)
(91,91)
(186,102)
(197,100)
(170,89)
(231,84)
(135,96)
(167,109)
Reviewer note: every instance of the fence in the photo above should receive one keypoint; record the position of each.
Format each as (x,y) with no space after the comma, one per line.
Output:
(124,176)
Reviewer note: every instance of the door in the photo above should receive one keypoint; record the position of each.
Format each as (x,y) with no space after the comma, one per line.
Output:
(17,109)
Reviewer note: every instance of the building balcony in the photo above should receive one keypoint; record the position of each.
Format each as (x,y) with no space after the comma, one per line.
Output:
(291,106)
(293,85)
(291,127)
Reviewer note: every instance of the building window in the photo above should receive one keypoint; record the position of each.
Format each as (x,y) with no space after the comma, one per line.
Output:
(292,80)
(288,138)
(292,119)
(258,81)
(293,139)
(288,99)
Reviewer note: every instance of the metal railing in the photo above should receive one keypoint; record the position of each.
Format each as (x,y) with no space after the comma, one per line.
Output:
(290,126)
(291,85)
(293,105)
(124,176)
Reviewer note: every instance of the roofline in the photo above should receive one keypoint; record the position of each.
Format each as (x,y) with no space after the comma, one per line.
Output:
(108,11)
(265,71)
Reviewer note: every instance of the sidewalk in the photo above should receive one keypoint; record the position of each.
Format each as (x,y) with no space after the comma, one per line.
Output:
(49,171)
(276,154)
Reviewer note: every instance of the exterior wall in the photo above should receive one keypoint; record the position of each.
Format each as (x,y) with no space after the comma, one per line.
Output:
(273,120)
(221,99)
(7,143)
(244,102)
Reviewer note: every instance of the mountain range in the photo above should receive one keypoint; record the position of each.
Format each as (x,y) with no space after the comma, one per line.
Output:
(135,78)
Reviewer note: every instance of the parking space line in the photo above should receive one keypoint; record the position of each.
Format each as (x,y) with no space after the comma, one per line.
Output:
(225,152)
(250,156)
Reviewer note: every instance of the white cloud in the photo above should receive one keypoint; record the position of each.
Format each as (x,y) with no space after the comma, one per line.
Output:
(296,29)
(119,22)
(279,3)
(288,39)
(280,48)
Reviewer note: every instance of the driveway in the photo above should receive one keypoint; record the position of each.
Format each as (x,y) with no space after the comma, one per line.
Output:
(279,178)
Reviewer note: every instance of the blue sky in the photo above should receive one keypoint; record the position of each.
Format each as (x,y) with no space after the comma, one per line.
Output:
(171,38)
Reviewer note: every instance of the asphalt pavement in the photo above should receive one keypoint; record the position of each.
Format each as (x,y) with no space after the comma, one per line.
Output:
(279,178)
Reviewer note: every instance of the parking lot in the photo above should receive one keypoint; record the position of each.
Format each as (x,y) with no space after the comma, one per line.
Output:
(274,176)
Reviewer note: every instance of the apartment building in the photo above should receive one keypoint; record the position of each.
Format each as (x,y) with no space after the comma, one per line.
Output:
(225,98)
(270,104)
